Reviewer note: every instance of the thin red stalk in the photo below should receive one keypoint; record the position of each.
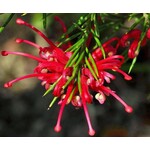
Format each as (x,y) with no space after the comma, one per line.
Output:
(51,66)
(112,58)
(28,42)
(109,75)
(110,41)
(21,22)
(105,67)
(58,126)
(126,76)
(5,53)
(9,84)
(91,130)
(127,107)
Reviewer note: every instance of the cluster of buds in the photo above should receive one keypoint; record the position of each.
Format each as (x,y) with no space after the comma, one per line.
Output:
(133,40)
(72,76)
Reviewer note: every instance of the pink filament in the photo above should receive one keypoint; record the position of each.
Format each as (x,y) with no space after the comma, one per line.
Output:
(111,59)
(110,41)
(62,23)
(85,96)
(52,66)
(5,53)
(57,128)
(28,42)
(127,107)
(91,130)
(109,75)
(10,83)
(21,22)
(127,77)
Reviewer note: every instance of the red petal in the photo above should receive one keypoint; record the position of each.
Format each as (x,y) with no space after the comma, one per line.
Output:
(132,49)
(85,91)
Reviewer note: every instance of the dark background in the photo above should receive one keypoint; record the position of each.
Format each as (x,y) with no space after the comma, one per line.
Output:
(23,110)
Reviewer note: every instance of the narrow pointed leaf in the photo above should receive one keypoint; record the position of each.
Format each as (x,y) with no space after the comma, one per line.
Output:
(79,82)
(52,102)
(44,20)
(90,68)
(132,65)
(52,86)
(92,61)
(6,22)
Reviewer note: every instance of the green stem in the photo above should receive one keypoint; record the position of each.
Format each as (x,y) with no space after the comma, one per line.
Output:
(44,20)
(6,22)
(92,61)
(71,78)
(90,68)
(79,82)
(52,86)
(135,24)
(52,102)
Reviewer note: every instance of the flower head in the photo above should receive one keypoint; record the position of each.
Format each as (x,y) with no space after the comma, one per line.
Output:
(73,82)
(132,39)
(110,50)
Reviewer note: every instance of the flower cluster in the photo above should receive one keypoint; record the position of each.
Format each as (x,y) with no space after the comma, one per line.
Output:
(71,76)
(133,40)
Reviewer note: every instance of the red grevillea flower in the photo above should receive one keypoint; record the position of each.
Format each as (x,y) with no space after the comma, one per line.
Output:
(51,61)
(112,63)
(72,84)
(108,47)
(135,36)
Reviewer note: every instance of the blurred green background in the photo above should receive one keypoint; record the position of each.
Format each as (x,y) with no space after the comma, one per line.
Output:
(23,110)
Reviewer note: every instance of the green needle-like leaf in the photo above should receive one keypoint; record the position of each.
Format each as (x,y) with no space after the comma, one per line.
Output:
(24,14)
(71,78)
(44,20)
(72,58)
(6,22)
(92,61)
(65,40)
(100,45)
(80,59)
(52,102)
(132,65)
(79,82)
(71,95)
(136,23)
(1,29)
(52,86)
(90,68)
(75,46)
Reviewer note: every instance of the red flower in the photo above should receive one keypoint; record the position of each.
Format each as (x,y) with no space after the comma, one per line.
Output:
(112,63)
(64,102)
(86,98)
(59,86)
(108,47)
(70,86)
(135,36)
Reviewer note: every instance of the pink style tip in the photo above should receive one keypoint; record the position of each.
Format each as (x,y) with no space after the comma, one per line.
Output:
(92,132)
(129,109)
(4,53)
(19,40)
(7,85)
(127,77)
(19,21)
(57,128)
